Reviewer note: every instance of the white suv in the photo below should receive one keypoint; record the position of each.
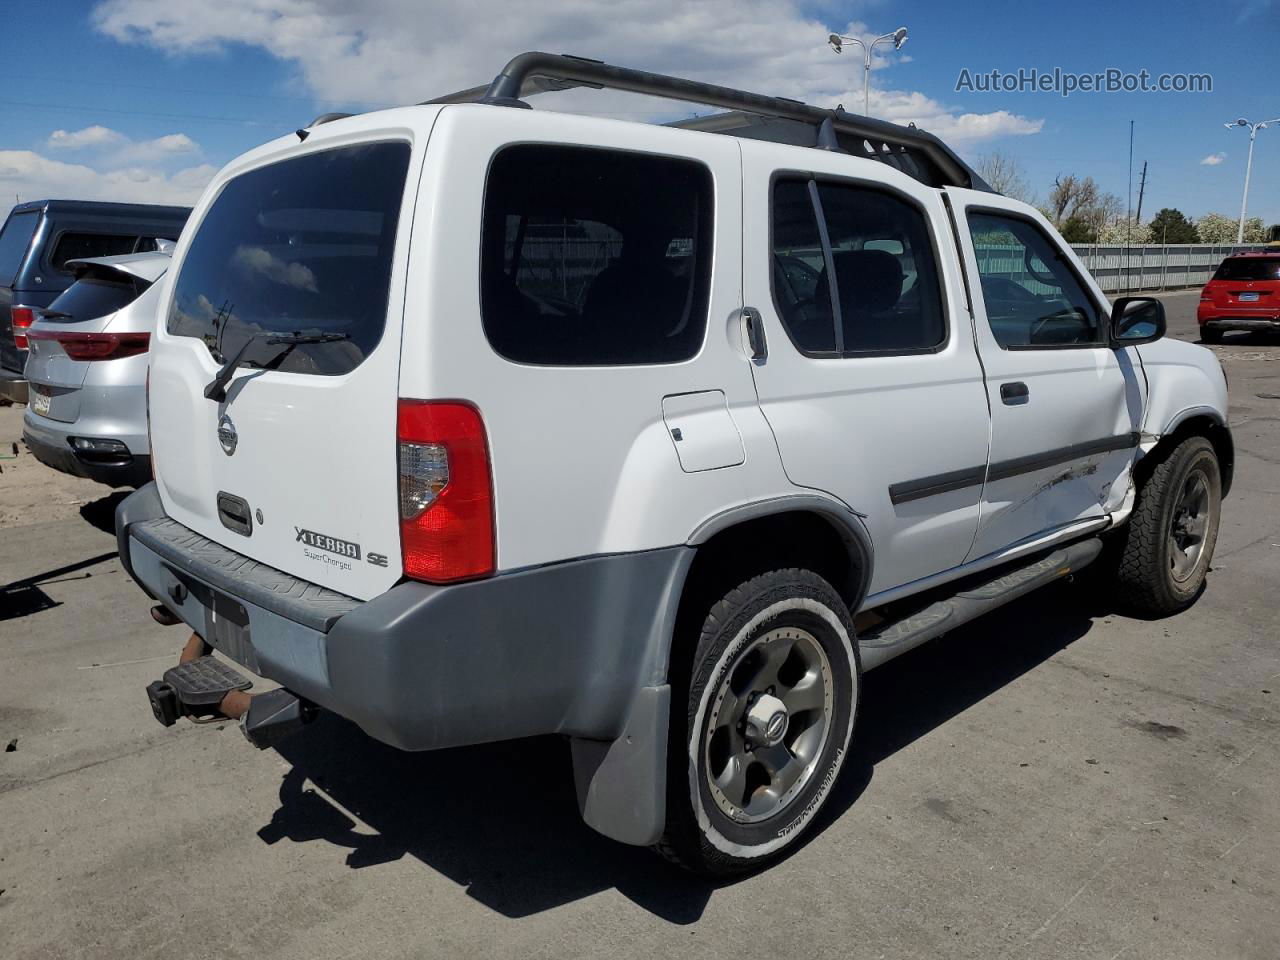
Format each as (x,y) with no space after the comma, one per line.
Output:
(473,422)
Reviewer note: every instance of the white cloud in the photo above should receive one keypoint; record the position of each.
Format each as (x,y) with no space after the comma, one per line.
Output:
(114,167)
(173,143)
(404,51)
(33,176)
(1213,159)
(94,136)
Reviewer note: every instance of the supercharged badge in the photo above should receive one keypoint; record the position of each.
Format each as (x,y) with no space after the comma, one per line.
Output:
(343,548)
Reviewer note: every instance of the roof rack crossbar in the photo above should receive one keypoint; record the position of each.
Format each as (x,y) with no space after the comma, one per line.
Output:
(908,146)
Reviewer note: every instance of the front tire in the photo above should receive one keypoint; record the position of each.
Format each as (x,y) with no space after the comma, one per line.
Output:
(765,728)
(1168,543)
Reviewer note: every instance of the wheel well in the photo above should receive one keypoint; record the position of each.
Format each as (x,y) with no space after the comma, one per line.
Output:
(1198,426)
(799,538)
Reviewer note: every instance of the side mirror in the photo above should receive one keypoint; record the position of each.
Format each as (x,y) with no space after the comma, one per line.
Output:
(1136,320)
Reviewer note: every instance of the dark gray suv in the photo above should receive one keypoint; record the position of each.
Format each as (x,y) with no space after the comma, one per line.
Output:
(37,241)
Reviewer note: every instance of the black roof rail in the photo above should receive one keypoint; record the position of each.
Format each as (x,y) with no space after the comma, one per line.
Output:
(915,152)
(327,118)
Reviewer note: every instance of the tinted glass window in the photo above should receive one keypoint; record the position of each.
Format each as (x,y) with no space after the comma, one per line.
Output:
(1249,268)
(799,268)
(886,292)
(95,297)
(76,246)
(300,245)
(1032,296)
(595,256)
(14,240)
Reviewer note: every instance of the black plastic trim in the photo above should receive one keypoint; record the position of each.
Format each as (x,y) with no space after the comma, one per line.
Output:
(909,490)
(1004,469)
(509,85)
(930,486)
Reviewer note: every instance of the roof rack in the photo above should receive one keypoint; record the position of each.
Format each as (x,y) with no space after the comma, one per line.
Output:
(913,151)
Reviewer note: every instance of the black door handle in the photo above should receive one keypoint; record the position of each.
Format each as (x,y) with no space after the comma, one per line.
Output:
(1014,393)
(755,332)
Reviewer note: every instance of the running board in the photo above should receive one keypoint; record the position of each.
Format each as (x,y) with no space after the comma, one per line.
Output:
(885,641)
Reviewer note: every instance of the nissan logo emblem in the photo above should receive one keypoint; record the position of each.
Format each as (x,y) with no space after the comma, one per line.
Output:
(227,437)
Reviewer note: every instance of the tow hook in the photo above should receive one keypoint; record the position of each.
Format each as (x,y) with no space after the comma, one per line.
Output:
(274,715)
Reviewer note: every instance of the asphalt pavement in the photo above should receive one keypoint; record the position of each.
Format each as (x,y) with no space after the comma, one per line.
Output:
(1055,780)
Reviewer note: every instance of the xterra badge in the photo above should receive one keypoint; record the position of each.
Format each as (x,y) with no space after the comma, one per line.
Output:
(343,548)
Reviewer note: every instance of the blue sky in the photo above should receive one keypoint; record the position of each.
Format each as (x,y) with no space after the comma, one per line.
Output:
(152,96)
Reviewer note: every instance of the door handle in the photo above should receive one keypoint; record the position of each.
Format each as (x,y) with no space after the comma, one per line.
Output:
(1015,393)
(755,332)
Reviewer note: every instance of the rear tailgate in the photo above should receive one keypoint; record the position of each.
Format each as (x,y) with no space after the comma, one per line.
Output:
(296,466)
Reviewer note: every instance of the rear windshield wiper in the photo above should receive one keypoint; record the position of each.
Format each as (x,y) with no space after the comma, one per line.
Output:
(216,389)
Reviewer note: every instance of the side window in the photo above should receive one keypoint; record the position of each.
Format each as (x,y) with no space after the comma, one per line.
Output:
(15,237)
(885,297)
(75,246)
(1033,297)
(595,257)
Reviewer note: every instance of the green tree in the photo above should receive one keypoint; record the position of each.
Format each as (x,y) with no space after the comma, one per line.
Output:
(1078,230)
(1171,226)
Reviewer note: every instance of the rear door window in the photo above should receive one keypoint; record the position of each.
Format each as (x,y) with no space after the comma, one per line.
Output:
(854,270)
(1249,268)
(302,245)
(14,240)
(595,257)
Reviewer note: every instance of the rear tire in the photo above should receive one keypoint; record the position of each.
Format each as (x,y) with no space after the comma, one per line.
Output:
(1166,548)
(1210,335)
(758,742)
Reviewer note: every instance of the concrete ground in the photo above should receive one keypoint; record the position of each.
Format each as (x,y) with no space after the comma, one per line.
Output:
(1055,780)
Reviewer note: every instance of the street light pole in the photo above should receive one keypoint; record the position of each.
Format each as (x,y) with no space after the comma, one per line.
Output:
(1248,167)
(899,37)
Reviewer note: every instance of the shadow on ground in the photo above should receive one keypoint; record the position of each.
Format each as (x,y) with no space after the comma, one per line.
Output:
(502,820)
(24,597)
(101,513)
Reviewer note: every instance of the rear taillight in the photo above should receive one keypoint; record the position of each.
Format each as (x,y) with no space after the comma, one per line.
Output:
(96,346)
(21,318)
(446,491)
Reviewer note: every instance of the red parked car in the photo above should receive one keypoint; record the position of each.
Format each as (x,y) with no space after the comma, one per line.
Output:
(1243,295)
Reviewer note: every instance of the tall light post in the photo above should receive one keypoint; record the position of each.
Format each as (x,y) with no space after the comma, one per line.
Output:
(1248,167)
(899,37)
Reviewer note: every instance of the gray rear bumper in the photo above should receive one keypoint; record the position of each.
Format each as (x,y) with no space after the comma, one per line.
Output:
(1263,324)
(578,648)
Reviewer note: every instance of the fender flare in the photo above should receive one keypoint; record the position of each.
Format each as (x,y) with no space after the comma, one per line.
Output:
(1223,442)
(622,784)
(846,521)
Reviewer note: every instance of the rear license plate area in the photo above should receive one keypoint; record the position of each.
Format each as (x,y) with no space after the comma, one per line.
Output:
(226,621)
(1248,297)
(40,400)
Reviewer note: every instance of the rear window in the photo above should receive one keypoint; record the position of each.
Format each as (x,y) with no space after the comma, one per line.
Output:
(303,245)
(14,240)
(595,257)
(1249,268)
(95,296)
(79,246)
